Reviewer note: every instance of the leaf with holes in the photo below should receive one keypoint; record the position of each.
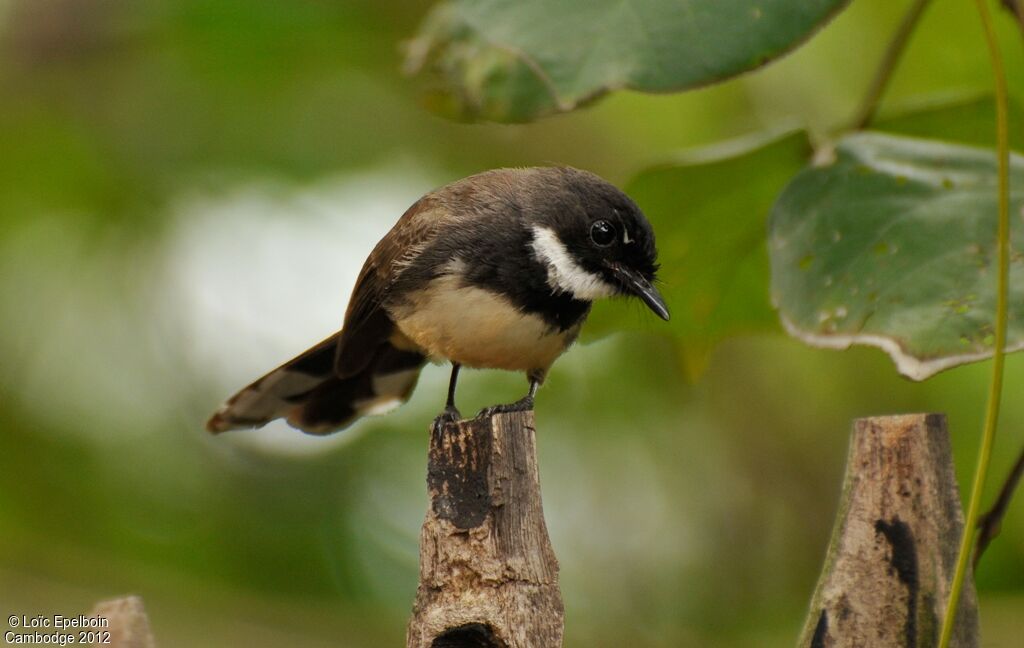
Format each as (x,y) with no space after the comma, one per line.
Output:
(514,60)
(892,243)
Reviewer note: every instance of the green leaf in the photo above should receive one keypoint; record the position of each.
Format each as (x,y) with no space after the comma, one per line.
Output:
(708,211)
(892,244)
(514,60)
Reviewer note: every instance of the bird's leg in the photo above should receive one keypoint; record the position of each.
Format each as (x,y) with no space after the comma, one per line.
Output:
(450,413)
(522,405)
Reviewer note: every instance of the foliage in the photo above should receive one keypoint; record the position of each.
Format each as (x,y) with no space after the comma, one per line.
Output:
(890,244)
(513,60)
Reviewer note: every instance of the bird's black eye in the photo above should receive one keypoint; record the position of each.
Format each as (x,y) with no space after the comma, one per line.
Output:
(602,233)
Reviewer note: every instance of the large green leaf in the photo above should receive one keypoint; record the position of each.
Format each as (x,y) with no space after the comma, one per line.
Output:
(512,60)
(891,243)
(708,210)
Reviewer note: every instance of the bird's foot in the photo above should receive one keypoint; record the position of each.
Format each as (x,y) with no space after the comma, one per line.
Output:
(449,415)
(524,404)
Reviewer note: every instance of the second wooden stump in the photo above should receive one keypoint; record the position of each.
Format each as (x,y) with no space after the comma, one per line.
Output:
(894,545)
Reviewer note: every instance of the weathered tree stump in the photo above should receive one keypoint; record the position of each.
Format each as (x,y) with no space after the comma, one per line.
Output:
(488,575)
(894,545)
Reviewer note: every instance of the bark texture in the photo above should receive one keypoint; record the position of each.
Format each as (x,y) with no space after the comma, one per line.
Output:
(894,545)
(488,575)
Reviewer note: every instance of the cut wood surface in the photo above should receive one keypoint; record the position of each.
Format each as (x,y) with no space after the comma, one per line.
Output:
(488,575)
(894,544)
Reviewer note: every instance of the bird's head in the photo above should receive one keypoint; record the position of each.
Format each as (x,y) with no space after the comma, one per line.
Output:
(594,240)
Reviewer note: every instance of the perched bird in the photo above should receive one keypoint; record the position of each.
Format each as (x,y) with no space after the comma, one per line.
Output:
(497,270)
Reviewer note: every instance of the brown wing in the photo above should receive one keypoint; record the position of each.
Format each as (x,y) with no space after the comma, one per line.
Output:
(354,371)
(367,324)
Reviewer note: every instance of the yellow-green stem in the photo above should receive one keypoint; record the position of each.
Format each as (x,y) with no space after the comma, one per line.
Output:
(996,386)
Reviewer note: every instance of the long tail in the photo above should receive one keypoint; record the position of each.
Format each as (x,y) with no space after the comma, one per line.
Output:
(307,392)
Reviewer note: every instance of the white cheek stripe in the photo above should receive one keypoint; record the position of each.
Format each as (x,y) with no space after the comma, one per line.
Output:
(564,274)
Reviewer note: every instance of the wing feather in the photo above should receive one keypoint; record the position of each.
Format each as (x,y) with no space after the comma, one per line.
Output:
(367,324)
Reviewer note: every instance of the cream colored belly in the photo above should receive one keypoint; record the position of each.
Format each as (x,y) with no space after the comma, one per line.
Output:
(477,328)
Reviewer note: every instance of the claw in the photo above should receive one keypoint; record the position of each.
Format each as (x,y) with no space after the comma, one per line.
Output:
(524,404)
(446,417)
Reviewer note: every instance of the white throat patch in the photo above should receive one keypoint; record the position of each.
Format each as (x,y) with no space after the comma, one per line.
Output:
(564,274)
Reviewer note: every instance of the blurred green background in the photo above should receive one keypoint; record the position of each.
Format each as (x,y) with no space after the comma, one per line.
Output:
(187,191)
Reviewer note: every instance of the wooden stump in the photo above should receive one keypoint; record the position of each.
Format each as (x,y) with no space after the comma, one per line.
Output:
(488,575)
(894,545)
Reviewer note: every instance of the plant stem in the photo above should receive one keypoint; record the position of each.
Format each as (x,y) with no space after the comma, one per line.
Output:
(998,355)
(989,523)
(898,44)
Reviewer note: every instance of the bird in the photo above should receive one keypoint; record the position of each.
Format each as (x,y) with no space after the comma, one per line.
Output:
(494,271)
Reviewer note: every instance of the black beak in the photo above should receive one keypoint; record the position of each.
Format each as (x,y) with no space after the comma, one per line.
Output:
(638,285)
